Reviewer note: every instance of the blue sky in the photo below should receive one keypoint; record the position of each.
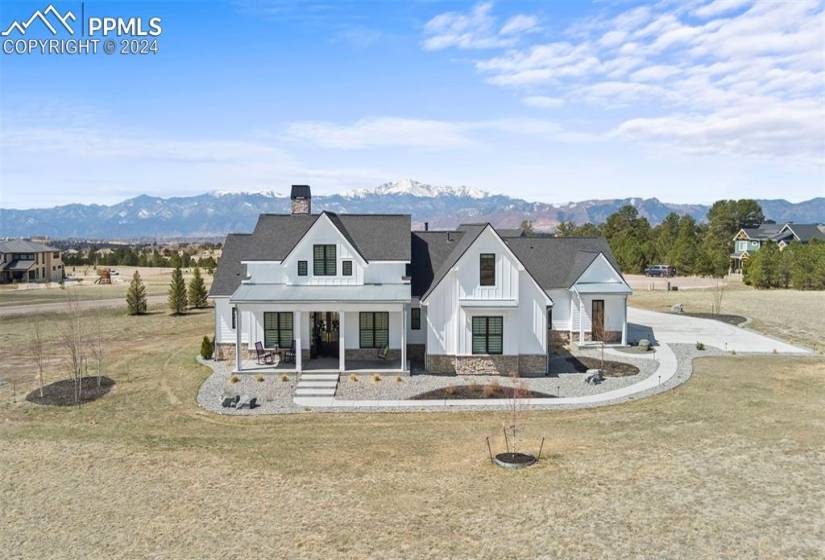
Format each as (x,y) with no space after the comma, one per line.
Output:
(687,101)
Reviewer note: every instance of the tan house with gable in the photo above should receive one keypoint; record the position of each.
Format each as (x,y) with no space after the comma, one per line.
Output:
(25,261)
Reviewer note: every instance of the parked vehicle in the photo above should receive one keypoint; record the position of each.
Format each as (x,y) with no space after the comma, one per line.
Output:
(660,270)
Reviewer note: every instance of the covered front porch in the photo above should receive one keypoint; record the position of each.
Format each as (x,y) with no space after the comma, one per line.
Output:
(351,337)
(327,365)
(599,314)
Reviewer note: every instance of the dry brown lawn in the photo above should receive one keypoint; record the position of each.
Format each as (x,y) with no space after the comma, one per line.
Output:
(729,465)
(792,315)
(156,280)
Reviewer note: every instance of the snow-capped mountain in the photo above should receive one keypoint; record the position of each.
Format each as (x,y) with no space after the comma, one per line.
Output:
(216,213)
(414,188)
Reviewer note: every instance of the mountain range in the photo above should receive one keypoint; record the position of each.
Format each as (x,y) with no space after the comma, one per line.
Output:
(216,213)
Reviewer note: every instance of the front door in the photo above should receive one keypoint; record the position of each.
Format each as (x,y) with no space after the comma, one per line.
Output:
(597,319)
(325,334)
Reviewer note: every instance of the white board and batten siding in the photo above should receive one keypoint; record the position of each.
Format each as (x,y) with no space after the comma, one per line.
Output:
(459,297)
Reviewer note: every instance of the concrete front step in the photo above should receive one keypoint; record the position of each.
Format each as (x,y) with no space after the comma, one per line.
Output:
(311,383)
(315,391)
(319,376)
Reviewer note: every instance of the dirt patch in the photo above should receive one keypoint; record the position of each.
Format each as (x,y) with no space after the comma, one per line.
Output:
(478,392)
(62,393)
(610,369)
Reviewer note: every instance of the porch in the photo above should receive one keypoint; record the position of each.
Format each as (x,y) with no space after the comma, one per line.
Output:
(327,365)
(340,336)
(599,314)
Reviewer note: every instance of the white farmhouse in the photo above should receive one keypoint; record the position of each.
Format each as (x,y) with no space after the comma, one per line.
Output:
(349,292)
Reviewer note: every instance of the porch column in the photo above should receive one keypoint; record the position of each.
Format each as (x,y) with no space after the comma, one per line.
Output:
(297,330)
(581,319)
(238,327)
(624,324)
(403,337)
(342,351)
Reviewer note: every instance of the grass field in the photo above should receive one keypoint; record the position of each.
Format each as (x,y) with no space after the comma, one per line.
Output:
(728,465)
(156,281)
(792,315)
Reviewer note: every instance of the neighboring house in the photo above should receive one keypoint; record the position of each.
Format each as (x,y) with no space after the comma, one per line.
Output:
(26,261)
(341,287)
(749,240)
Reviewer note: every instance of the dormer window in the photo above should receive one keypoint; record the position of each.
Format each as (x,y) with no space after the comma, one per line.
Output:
(346,268)
(487,269)
(302,268)
(323,263)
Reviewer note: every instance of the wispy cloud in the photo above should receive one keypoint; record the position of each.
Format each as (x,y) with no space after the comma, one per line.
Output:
(736,76)
(476,29)
(411,133)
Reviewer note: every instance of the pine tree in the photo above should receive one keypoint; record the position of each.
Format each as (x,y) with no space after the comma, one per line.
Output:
(136,295)
(197,290)
(177,293)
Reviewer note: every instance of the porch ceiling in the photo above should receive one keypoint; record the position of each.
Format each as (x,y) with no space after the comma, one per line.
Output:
(602,288)
(367,293)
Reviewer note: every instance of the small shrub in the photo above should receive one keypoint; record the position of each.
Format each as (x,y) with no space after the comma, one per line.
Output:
(284,378)
(700,346)
(207,348)
(774,351)
(376,378)
(473,387)
(491,389)
(450,390)
(353,378)
(234,379)
(398,379)
(733,352)
(260,378)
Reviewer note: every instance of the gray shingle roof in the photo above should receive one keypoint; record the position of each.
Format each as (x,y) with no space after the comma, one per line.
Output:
(24,246)
(764,231)
(430,249)
(377,237)
(230,271)
(807,232)
(469,233)
(557,262)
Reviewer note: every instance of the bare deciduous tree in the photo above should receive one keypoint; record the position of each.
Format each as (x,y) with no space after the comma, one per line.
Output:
(37,351)
(718,295)
(517,410)
(73,339)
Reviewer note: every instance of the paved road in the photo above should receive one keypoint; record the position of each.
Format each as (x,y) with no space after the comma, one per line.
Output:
(681,329)
(60,307)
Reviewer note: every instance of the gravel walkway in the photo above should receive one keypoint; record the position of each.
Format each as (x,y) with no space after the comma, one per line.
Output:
(274,396)
(563,384)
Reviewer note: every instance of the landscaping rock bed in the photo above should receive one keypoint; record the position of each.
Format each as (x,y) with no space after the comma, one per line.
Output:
(273,395)
(62,393)
(581,364)
(475,391)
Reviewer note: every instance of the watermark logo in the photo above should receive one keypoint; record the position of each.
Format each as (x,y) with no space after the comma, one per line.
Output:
(107,34)
(22,27)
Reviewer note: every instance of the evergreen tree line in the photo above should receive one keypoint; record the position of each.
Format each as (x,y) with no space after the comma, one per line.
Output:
(704,249)
(129,256)
(180,297)
(796,266)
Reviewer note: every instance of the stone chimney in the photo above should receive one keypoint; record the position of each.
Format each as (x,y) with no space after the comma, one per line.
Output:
(301,199)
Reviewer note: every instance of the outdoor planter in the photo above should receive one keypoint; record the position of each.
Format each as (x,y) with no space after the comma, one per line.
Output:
(516,460)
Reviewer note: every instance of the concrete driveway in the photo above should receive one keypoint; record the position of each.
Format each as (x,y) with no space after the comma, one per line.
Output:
(681,329)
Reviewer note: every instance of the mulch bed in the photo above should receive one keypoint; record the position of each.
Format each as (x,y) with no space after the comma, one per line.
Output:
(735,320)
(62,393)
(478,392)
(610,369)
